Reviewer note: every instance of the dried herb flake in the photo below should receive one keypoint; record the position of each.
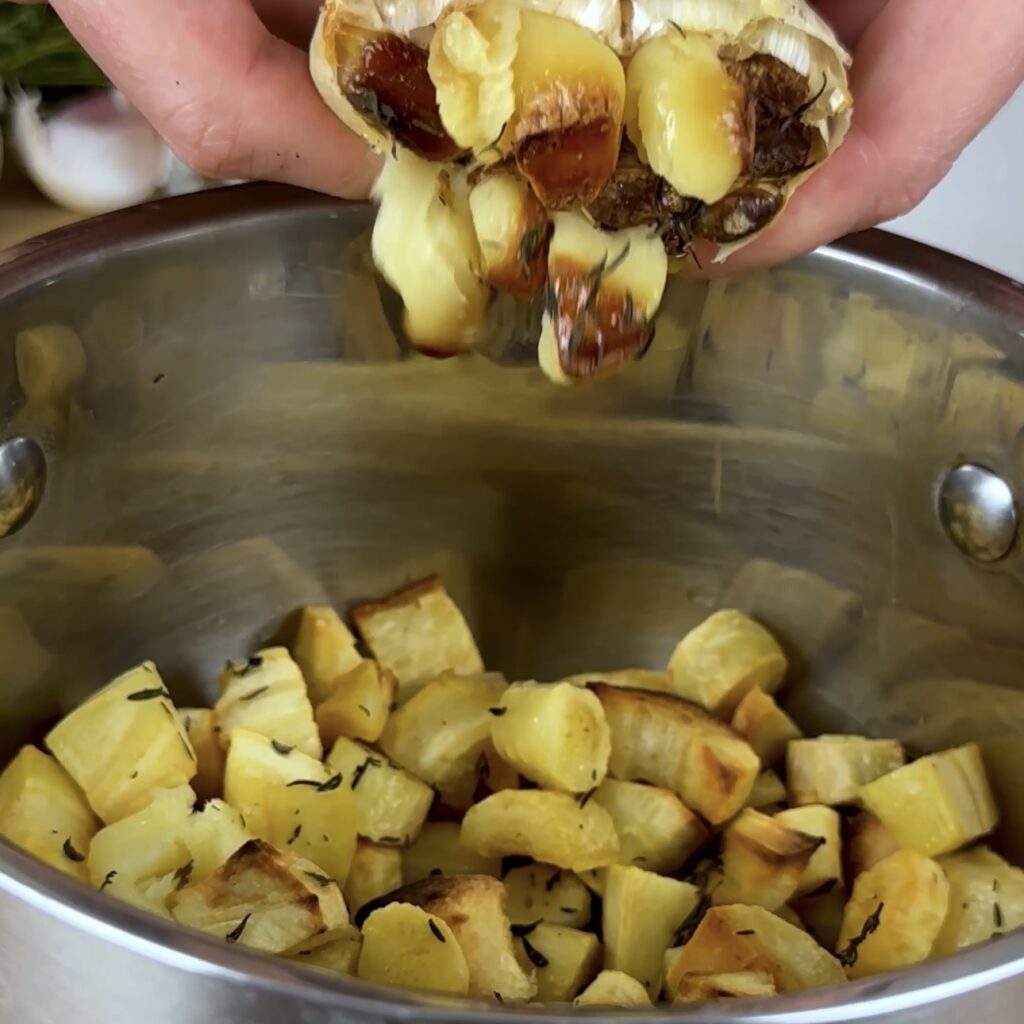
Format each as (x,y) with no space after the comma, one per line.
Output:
(282,748)
(534,955)
(550,884)
(584,798)
(182,875)
(522,930)
(110,876)
(71,853)
(236,933)
(997,915)
(848,956)
(153,694)
(322,880)
(498,712)
(438,934)
(258,692)
(685,931)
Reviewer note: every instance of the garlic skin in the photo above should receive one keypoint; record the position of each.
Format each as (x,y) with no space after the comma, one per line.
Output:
(96,155)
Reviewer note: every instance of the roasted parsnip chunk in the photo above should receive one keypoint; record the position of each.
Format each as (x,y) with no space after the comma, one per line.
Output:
(825,868)
(376,870)
(936,804)
(539,892)
(563,960)
(262,898)
(405,946)
(986,898)
(657,831)
(554,828)
(358,705)
(439,851)
(123,743)
(666,741)
(604,289)
(443,734)
(700,988)
(440,281)
(740,938)
(202,731)
(336,951)
(292,801)
(768,791)
(894,915)
(473,906)
(45,813)
(831,769)
(866,841)
(418,633)
(267,694)
(763,860)
(720,661)
(391,804)
(765,726)
(324,649)
(613,988)
(553,733)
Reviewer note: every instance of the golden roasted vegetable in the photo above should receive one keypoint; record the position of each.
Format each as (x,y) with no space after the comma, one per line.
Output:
(267,694)
(936,804)
(376,870)
(824,870)
(45,813)
(418,632)
(666,741)
(553,733)
(720,661)
(642,913)
(358,705)
(539,892)
(740,938)
(443,734)
(763,860)
(202,731)
(986,898)
(292,801)
(657,831)
(405,946)
(626,678)
(391,804)
(262,898)
(336,951)
(554,828)
(866,841)
(765,726)
(894,915)
(831,769)
(439,851)
(614,988)
(50,361)
(563,959)
(324,649)
(699,988)
(123,743)
(768,791)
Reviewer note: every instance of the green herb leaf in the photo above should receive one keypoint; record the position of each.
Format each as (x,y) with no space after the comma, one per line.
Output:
(848,956)
(153,694)
(37,51)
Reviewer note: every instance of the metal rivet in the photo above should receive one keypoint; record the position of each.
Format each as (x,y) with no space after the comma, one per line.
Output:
(22,482)
(978,512)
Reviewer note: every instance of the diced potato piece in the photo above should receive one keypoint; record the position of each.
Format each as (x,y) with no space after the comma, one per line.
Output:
(268,695)
(555,734)
(539,892)
(554,828)
(405,946)
(613,988)
(657,831)
(359,704)
(45,813)
(720,661)
(831,769)
(824,870)
(376,870)
(292,801)
(740,938)
(642,913)
(986,898)
(765,726)
(203,733)
(627,678)
(686,116)
(666,741)
(324,649)
(442,732)
(439,851)
(564,960)
(50,361)
(822,915)
(473,906)
(866,842)
(768,790)
(391,804)
(894,915)
(337,951)
(262,898)
(936,804)
(700,988)
(763,860)
(123,743)
(418,633)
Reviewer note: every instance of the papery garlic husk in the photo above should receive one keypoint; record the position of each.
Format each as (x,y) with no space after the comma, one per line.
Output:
(425,247)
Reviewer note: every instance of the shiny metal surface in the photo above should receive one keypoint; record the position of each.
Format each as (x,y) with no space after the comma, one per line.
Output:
(245,432)
(22,482)
(978,512)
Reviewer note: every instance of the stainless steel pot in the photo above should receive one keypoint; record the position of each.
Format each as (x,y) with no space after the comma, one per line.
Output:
(234,428)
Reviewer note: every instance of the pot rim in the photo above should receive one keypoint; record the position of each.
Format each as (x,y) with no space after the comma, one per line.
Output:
(40,261)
